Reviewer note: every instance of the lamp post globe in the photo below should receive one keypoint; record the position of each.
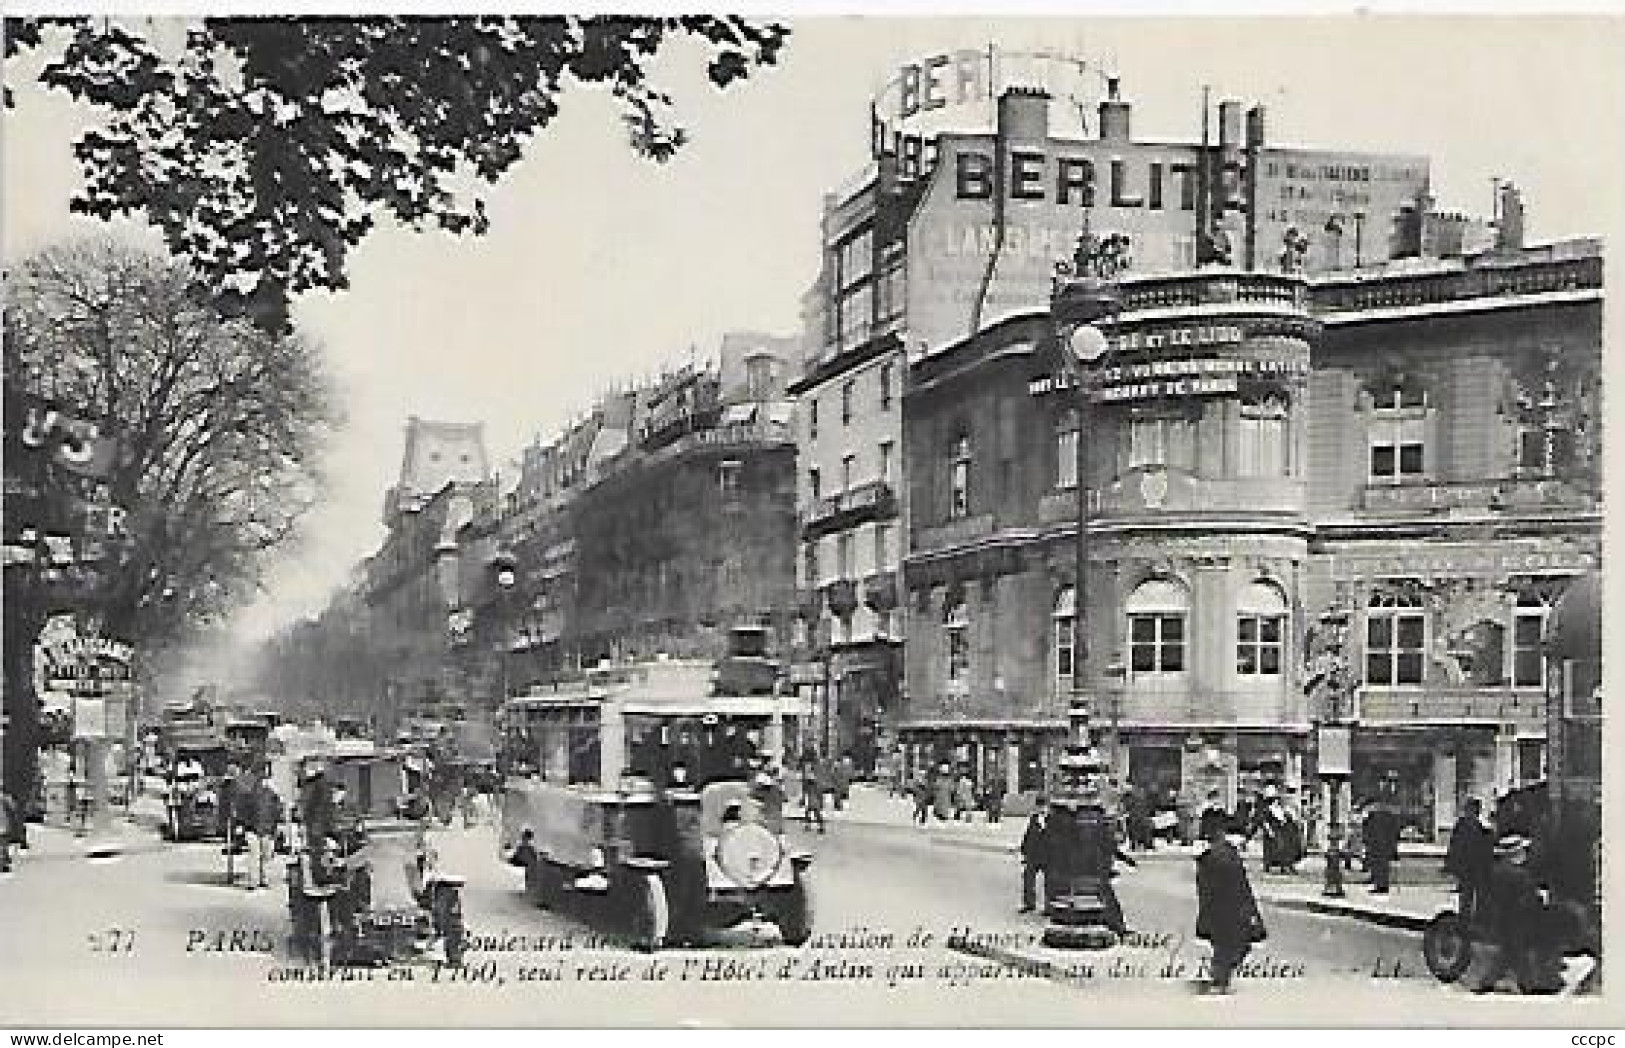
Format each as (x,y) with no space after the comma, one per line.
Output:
(1087,344)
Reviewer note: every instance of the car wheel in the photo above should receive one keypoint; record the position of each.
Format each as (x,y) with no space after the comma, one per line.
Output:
(793,913)
(648,910)
(1447,947)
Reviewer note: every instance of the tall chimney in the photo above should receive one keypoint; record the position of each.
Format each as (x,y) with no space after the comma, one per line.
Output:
(1509,218)
(1255,127)
(1114,114)
(1024,114)
(1229,124)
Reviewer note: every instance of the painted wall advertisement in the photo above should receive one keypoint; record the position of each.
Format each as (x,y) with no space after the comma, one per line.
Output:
(994,220)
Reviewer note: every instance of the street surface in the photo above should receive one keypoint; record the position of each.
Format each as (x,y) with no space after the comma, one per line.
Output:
(155,936)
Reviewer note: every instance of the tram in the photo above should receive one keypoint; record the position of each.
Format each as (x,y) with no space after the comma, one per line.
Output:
(648,798)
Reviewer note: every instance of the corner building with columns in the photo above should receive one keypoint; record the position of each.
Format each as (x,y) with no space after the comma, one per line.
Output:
(1194,454)
(1414,445)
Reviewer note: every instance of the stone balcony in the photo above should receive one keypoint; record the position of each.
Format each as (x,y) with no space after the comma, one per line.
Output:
(847,509)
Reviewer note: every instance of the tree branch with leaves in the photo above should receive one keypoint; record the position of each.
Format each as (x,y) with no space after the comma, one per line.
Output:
(220,426)
(265,149)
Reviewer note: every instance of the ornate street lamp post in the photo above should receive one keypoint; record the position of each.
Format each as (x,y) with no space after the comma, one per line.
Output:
(1084,299)
(1330,676)
(506,577)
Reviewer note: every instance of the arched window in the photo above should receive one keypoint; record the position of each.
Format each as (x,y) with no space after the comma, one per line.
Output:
(1260,631)
(1395,636)
(1066,450)
(956,628)
(1064,626)
(1157,610)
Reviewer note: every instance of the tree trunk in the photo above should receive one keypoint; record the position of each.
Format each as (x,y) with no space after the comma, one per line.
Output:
(23,621)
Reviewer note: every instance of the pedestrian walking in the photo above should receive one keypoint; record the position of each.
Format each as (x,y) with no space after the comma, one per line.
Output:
(1227,914)
(1470,857)
(812,798)
(262,819)
(921,790)
(964,797)
(1035,856)
(942,791)
(841,775)
(1381,833)
(993,799)
(1515,912)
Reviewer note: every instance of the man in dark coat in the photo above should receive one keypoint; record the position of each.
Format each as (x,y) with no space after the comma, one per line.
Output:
(1227,913)
(1034,856)
(1470,856)
(316,807)
(1381,845)
(1515,911)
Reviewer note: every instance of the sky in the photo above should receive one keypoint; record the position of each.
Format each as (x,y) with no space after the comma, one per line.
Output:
(601,266)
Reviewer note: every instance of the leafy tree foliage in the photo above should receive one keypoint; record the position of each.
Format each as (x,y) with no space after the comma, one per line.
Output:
(266,148)
(219,425)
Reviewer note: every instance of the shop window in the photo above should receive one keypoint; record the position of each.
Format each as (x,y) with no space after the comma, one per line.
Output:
(1395,638)
(956,630)
(959,479)
(1263,438)
(1260,631)
(1397,434)
(1157,612)
(1064,626)
(1066,451)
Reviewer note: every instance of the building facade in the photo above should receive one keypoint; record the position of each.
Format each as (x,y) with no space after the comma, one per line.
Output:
(1413,446)
(412,583)
(648,528)
(1455,455)
(952,232)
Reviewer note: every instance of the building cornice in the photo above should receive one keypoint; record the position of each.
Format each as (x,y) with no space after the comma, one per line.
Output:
(1459,307)
(886,342)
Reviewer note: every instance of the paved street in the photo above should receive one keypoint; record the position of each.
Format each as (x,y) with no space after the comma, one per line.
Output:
(156,936)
